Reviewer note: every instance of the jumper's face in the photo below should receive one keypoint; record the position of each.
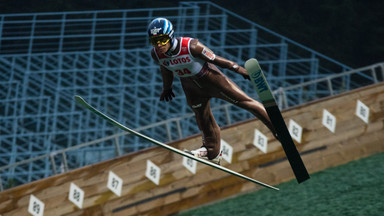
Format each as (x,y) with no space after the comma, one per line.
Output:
(163,48)
(160,42)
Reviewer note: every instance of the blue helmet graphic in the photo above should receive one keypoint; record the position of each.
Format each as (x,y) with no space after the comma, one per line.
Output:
(160,27)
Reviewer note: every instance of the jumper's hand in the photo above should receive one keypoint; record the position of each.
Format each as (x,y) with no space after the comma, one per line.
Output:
(243,72)
(167,94)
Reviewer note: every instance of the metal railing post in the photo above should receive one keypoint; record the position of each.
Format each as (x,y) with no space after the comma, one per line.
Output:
(65,163)
(62,29)
(117,146)
(224,24)
(227,115)
(1,185)
(122,32)
(330,87)
(52,159)
(282,99)
(253,40)
(179,131)
(374,75)
(169,134)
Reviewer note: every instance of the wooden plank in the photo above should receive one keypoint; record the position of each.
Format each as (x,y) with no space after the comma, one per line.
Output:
(179,189)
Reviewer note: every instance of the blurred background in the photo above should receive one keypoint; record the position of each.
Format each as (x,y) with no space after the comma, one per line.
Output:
(349,31)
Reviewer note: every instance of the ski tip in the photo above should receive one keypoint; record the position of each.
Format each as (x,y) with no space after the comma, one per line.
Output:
(252,66)
(250,62)
(78,98)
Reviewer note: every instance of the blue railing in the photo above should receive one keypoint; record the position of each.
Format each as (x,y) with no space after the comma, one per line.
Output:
(46,58)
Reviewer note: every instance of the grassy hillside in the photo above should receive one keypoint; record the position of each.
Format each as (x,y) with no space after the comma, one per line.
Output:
(355,188)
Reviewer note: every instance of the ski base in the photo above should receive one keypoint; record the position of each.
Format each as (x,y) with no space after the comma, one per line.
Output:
(269,102)
(82,102)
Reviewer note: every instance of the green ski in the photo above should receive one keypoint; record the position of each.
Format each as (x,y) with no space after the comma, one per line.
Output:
(266,97)
(82,102)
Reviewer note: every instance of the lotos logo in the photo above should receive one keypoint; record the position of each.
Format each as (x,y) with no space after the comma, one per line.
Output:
(177,61)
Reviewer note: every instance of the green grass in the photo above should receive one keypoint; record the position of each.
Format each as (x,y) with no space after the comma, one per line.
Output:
(356,188)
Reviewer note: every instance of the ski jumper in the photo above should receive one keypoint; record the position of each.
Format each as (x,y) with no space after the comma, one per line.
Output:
(201,81)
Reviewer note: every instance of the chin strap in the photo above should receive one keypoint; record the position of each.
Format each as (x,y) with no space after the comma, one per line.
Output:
(173,47)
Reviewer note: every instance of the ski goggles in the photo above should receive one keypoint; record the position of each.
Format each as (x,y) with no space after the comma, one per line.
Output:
(160,39)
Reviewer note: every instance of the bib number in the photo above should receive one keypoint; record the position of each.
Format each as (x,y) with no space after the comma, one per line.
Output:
(183,72)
